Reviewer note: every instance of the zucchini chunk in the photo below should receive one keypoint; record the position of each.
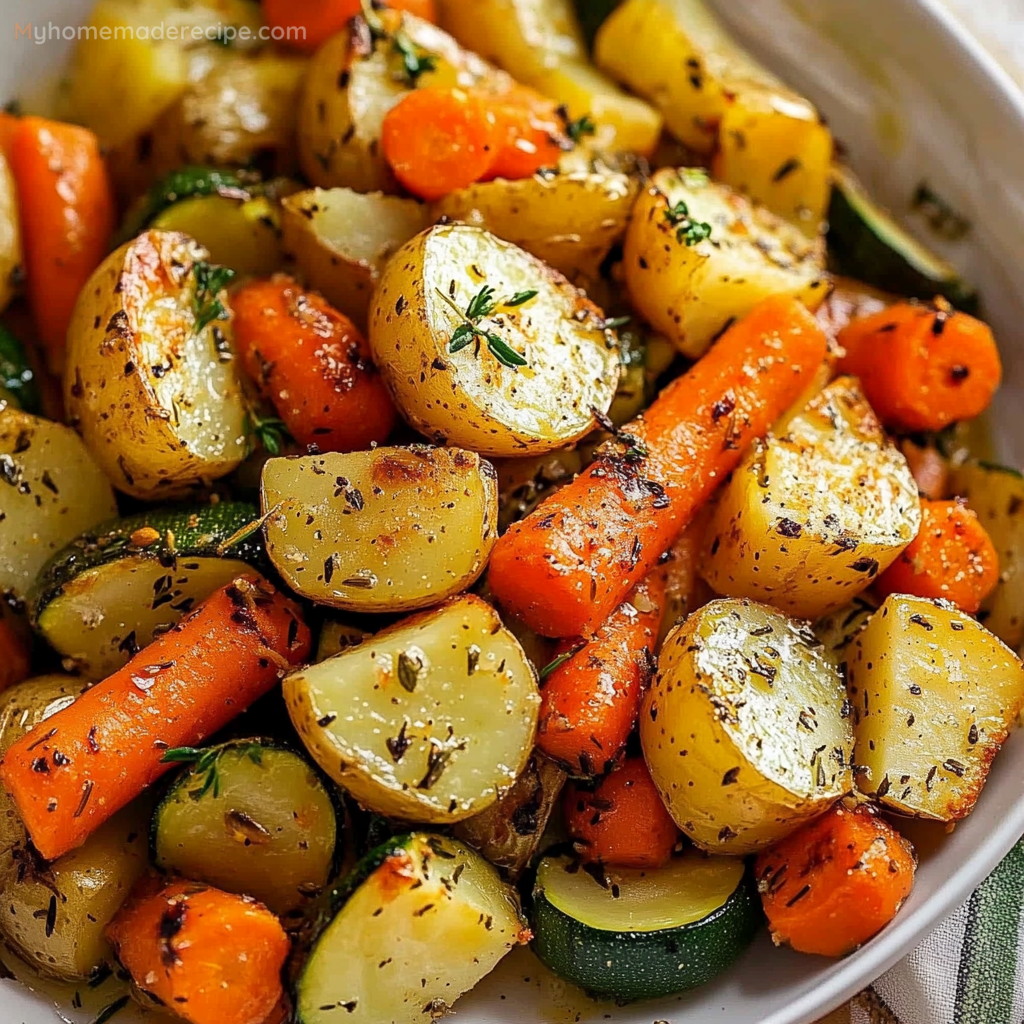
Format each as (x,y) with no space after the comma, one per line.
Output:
(634,933)
(866,242)
(744,728)
(699,255)
(337,635)
(520,376)
(419,922)
(386,530)
(811,517)
(249,817)
(934,696)
(113,588)
(430,720)
(17,378)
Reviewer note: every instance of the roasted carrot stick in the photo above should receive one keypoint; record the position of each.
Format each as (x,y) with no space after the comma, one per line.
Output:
(922,366)
(439,140)
(835,882)
(313,364)
(66,207)
(952,557)
(568,565)
(590,701)
(305,24)
(209,956)
(102,751)
(532,133)
(622,821)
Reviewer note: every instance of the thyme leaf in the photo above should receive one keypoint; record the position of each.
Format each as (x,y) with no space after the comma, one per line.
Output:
(581,127)
(557,663)
(211,280)
(269,432)
(482,305)
(688,231)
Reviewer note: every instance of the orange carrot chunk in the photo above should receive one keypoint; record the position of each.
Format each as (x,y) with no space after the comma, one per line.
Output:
(313,364)
(951,557)
(565,568)
(922,366)
(532,135)
(929,466)
(440,140)
(101,752)
(66,208)
(623,821)
(836,882)
(590,701)
(209,956)
(306,24)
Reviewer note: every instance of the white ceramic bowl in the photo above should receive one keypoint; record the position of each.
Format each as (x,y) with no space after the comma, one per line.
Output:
(914,99)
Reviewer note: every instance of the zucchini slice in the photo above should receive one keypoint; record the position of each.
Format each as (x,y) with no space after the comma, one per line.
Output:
(866,242)
(250,817)
(17,378)
(112,589)
(640,934)
(419,922)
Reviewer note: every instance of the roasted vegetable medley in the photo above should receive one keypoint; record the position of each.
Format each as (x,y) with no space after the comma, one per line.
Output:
(466,487)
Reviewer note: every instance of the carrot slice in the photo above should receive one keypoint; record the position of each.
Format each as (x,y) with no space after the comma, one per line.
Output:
(922,366)
(622,821)
(532,133)
(306,24)
(102,751)
(952,557)
(313,364)
(210,956)
(440,140)
(590,702)
(565,568)
(66,208)
(836,882)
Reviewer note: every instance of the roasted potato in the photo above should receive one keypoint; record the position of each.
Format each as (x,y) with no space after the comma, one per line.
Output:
(934,696)
(527,382)
(159,404)
(10,234)
(347,94)
(698,256)
(386,530)
(743,727)
(811,517)
(432,720)
(53,490)
(535,212)
(341,240)
(55,914)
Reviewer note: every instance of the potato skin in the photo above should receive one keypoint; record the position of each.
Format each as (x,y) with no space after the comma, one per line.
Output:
(468,398)
(733,724)
(135,365)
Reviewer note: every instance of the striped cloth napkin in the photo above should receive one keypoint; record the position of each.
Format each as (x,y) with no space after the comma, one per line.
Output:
(971,969)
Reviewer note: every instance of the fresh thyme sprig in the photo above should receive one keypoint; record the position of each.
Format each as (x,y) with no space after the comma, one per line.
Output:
(205,764)
(688,231)
(482,305)
(414,63)
(269,432)
(211,280)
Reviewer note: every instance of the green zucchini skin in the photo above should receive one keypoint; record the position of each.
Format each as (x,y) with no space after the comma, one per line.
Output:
(17,378)
(196,532)
(866,243)
(646,965)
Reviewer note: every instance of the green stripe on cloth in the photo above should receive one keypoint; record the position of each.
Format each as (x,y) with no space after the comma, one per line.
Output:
(985,982)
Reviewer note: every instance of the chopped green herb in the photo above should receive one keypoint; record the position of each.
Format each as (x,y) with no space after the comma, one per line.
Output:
(483,304)
(520,297)
(410,665)
(414,63)
(108,1011)
(582,126)
(181,755)
(688,231)
(558,662)
(269,432)
(211,280)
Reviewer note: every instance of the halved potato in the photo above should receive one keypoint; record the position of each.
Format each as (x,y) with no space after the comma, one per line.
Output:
(934,696)
(570,221)
(472,397)
(386,530)
(341,240)
(51,490)
(431,720)
(743,727)
(699,255)
(10,234)
(811,517)
(159,405)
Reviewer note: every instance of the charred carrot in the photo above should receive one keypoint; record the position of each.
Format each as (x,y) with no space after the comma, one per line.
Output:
(66,207)
(102,751)
(313,364)
(532,134)
(306,24)
(440,140)
(590,700)
(951,557)
(835,882)
(209,956)
(565,568)
(622,822)
(922,366)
